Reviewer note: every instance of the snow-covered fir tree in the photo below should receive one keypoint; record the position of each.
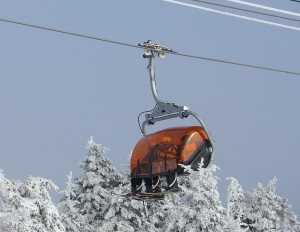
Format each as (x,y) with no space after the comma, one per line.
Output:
(204,191)
(143,216)
(128,216)
(69,208)
(15,213)
(268,211)
(125,214)
(28,206)
(92,188)
(235,208)
(9,201)
(199,206)
(7,222)
(42,210)
(171,216)
(97,195)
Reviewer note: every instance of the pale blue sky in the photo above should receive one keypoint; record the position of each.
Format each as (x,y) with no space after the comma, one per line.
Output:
(57,90)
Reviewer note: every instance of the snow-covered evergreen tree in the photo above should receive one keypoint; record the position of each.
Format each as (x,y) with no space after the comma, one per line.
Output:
(199,207)
(285,216)
(91,190)
(28,206)
(42,211)
(171,214)
(95,188)
(235,207)
(9,200)
(268,211)
(15,213)
(263,212)
(7,222)
(71,219)
(124,215)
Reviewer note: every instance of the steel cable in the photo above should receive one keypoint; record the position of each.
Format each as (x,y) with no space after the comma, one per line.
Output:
(140,47)
(246,10)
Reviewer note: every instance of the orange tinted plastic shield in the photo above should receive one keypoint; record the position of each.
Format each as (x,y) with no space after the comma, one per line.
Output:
(161,152)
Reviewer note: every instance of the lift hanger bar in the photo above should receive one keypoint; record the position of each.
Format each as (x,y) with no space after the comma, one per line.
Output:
(166,110)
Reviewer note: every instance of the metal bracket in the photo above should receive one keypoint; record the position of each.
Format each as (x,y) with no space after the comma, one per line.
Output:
(163,110)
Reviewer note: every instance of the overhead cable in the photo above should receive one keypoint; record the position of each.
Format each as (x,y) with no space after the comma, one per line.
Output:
(265,7)
(234,15)
(246,10)
(295,1)
(140,47)
(68,33)
(239,64)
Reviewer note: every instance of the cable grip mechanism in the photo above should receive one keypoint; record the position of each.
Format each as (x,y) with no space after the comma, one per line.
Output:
(152,49)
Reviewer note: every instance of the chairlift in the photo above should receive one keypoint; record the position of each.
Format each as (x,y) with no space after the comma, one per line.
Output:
(160,154)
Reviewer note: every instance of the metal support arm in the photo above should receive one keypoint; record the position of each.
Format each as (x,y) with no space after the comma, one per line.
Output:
(166,110)
(163,110)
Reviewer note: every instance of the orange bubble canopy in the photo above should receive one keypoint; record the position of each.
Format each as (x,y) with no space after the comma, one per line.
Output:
(161,153)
